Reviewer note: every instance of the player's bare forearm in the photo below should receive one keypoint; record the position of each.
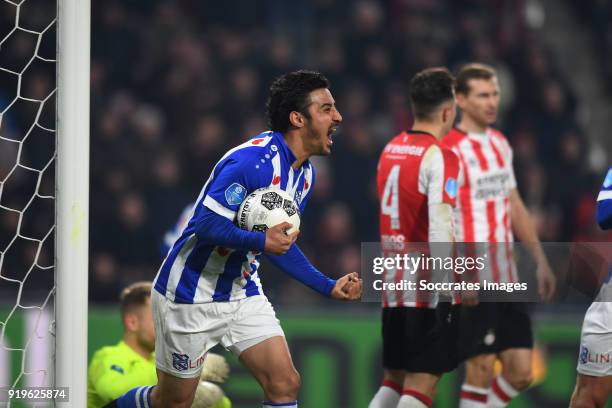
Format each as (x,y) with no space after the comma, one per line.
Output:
(525,231)
(523,227)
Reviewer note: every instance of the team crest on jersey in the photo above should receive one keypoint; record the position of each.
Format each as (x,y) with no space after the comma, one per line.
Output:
(451,187)
(584,355)
(180,362)
(608,181)
(235,194)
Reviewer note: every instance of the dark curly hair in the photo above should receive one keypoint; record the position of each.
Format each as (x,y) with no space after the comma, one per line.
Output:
(289,93)
(429,89)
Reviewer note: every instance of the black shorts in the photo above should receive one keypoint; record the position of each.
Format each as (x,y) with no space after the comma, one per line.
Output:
(420,340)
(493,327)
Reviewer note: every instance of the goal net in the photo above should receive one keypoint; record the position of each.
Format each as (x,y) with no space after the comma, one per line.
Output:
(43,208)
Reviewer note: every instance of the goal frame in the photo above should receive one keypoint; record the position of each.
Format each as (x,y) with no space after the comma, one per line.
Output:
(72,197)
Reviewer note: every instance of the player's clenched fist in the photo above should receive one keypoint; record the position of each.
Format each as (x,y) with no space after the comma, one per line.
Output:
(277,240)
(348,287)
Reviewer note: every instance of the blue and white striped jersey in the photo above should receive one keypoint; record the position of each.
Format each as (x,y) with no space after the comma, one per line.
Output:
(199,272)
(604,217)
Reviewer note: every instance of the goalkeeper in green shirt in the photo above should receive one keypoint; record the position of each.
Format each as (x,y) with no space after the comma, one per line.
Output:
(131,362)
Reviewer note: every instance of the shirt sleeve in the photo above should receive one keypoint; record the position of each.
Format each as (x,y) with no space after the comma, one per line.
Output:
(110,377)
(232,180)
(438,180)
(438,175)
(604,202)
(215,229)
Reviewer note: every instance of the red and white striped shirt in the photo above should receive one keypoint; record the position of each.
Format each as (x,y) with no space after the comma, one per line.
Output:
(483,212)
(415,175)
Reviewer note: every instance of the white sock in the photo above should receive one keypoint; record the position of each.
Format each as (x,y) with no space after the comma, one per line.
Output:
(408,401)
(473,397)
(414,399)
(500,393)
(269,404)
(387,396)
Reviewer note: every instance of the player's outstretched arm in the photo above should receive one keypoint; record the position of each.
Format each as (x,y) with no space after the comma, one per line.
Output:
(348,287)
(218,230)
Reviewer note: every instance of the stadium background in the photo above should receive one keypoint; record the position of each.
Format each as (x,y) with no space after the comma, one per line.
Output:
(175,84)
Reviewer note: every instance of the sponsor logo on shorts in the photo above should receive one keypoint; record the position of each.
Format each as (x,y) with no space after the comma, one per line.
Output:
(197,363)
(586,356)
(180,362)
(235,194)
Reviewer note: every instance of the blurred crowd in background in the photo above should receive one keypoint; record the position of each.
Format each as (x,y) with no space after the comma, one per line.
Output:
(176,84)
(597,15)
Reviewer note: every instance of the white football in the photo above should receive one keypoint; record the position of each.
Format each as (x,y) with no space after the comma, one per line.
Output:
(266,207)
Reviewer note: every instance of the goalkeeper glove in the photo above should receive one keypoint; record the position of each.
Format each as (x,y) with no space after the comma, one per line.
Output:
(215,368)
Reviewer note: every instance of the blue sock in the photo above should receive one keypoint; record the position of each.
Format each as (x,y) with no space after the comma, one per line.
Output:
(139,397)
(269,404)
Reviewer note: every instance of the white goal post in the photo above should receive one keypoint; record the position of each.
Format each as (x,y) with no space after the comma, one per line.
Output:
(72,197)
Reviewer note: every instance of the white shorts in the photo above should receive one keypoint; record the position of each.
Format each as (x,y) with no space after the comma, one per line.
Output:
(595,358)
(184,333)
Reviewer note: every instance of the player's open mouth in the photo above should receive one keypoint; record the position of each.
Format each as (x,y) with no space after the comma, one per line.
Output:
(331,131)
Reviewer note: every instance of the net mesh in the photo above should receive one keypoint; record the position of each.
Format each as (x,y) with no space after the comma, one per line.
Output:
(27,188)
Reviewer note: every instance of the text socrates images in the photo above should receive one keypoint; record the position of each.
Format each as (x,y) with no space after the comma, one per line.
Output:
(396,271)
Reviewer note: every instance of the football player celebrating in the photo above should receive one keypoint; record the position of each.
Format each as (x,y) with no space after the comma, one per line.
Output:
(207,290)
(594,382)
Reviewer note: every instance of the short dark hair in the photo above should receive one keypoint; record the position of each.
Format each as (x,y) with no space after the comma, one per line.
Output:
(289,93)
(473,71)
(134,296)
(429,89)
